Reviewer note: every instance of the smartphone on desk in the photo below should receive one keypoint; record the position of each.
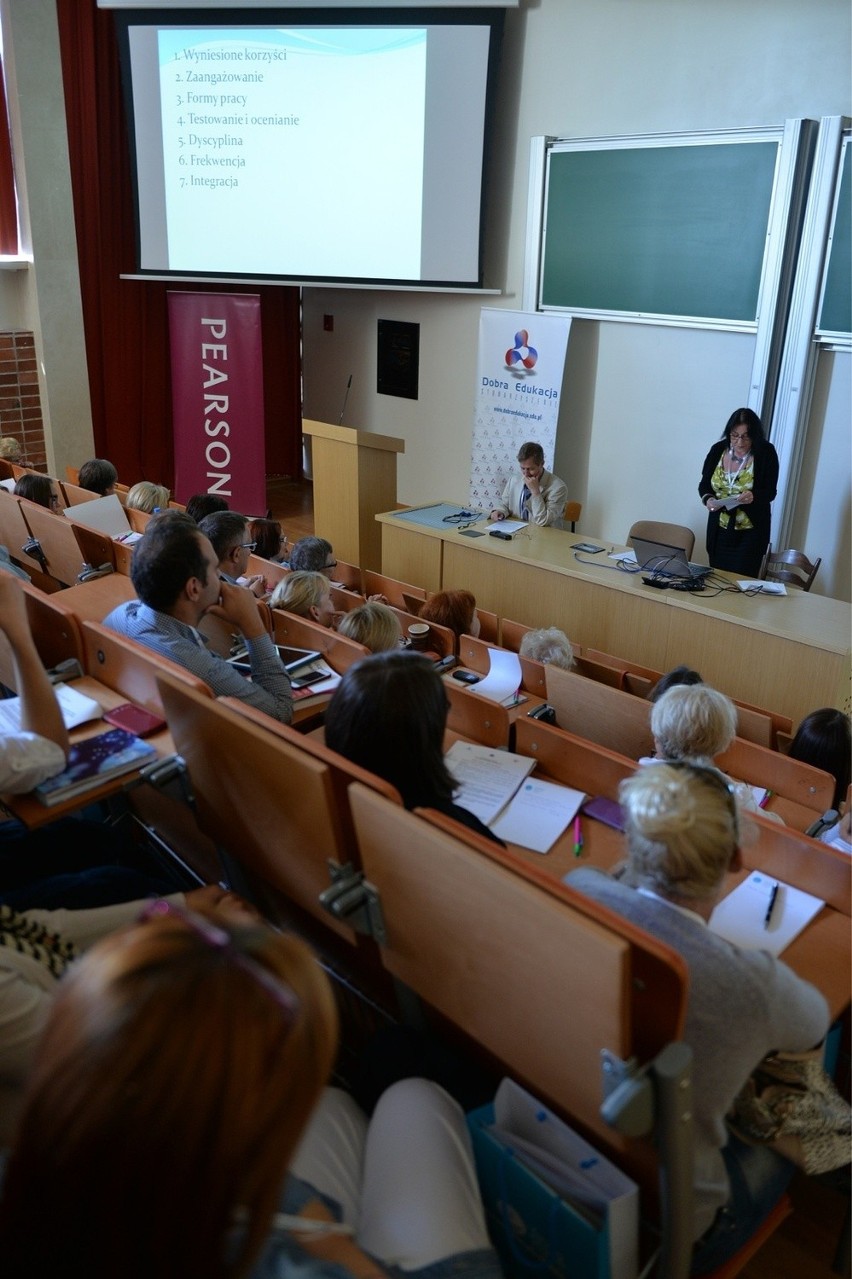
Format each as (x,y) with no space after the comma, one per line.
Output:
(604,810)
(135,719)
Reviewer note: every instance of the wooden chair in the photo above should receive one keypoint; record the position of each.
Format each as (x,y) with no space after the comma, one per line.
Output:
(399,594)
(668,534)
(339,651)
(572,513)
(791,567)
(511,633)
(264,799)
(73,494)
(67,547)
(476,718)
(91,601)
(55,631)
(803,792)
(348,575)
(608,716)
(511,958)
(130,668)
(15,535)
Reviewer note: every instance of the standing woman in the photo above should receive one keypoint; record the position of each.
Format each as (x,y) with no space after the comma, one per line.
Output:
(743,465)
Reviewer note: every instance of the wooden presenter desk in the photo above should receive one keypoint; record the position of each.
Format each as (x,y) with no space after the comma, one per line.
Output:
(789,653)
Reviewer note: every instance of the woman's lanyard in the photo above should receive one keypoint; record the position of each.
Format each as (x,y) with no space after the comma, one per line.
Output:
(731,476)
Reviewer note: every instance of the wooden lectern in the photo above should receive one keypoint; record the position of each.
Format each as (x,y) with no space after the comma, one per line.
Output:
(354,479)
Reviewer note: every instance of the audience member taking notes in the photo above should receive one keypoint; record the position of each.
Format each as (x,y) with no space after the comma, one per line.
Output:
(683,836)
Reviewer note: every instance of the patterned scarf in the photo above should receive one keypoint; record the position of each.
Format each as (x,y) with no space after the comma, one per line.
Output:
(28,937)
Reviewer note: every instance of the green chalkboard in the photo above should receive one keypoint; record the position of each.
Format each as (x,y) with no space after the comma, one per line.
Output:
(666,230)
(835,315)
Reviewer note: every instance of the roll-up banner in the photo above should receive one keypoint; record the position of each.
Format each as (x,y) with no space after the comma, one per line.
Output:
(519,373)
(217,398)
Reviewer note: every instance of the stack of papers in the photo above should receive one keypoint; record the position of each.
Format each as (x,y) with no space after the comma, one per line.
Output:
(741,916)
(496,786)
(76,709)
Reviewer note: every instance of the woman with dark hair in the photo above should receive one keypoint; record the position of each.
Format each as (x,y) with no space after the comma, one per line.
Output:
(455,609)
(823,739)
(269,539)
(40,489)
(200,1044)
(201,504)
(388,715)
(98,475)
(738,486)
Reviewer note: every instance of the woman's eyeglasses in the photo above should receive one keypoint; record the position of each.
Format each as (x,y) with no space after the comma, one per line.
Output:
(218,939)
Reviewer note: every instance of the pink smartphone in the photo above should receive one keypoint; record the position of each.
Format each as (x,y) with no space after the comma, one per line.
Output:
(135,719)
(604,810)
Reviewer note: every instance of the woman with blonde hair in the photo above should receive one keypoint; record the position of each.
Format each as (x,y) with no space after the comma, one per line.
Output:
(200,1045)
(693,721)
(307,595)
(683,832)
(548,645)
(374,625)
(696,722)
(147,496)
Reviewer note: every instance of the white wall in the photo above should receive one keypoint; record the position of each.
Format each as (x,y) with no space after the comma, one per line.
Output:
(641,404)
(46,297)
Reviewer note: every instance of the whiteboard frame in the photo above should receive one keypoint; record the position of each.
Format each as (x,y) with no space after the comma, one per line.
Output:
(802,343)
(785,181)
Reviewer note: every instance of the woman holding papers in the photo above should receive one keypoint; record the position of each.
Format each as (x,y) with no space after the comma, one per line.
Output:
(738,485)
(199,1045)
(682,828)
(388,715)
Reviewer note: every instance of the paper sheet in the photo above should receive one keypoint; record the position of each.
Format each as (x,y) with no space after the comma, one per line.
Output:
(740,916)
(504,676)
(104,514)
(508,526)
(538,814)
(487,778)
(754,587)
(76,709)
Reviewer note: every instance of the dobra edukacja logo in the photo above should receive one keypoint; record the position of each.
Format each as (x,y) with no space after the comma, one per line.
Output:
(521,355)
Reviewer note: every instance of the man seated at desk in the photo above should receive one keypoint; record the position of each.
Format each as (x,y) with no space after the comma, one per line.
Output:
(175,574)
(534,495)
(228,533)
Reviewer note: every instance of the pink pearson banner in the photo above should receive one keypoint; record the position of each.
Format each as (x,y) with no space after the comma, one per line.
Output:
(217,398)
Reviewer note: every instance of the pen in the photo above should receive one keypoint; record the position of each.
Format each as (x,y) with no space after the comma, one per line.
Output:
(578,837)
(765,799)
(769,908)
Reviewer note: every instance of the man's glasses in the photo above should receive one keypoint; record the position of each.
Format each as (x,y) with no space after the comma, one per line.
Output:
(248,546)
(218,939)
(54,499)
(326,567)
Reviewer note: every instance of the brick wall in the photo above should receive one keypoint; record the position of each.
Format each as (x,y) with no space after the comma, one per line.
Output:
(20,402)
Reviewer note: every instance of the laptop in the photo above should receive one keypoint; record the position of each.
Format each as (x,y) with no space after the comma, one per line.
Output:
(669,561)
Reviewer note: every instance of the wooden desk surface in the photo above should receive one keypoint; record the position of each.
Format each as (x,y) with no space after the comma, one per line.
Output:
(33,814)
(789,653)
(822,953)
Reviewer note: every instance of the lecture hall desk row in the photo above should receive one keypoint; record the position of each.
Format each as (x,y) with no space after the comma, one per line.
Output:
(791,653)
